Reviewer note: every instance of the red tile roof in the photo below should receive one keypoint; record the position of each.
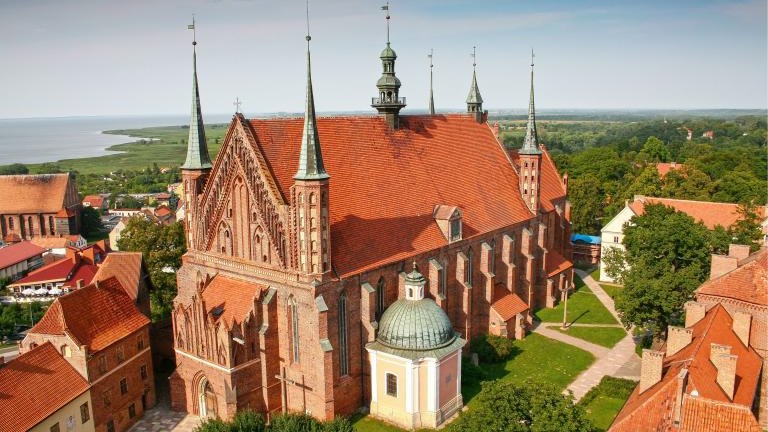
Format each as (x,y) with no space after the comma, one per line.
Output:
(56,271)
(41,193)
(95,201)
(652,408)
(97,315)
(710,213)
(19,252)
(665,167)
(556,263)
(35,385)
(84,272)
(747,283)
(230,300)
(126,267)
(509,306)
(385,183)
(702,415)
(52,242)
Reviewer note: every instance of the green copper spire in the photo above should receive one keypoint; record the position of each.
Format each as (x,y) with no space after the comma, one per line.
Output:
(531,142)
(197,148)
(311,158)
(431,95)
(474,100)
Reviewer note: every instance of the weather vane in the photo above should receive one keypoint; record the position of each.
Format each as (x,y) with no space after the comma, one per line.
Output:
(386,8)
(192,27)
(237,104)
(308,36)
(474,57)
(431,52)
(532,56)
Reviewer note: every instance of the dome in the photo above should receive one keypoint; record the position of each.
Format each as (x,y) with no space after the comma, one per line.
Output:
(388,53)
(415,325)
(388,81)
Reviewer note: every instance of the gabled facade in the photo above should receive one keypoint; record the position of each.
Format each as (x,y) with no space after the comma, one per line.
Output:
(307,225)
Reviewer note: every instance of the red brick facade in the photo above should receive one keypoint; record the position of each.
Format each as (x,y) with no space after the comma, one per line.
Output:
(277,345)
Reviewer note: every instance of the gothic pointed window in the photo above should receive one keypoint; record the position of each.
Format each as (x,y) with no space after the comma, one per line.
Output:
(380,297)
(468,275)
(10,222)
(343,344)
(293,315)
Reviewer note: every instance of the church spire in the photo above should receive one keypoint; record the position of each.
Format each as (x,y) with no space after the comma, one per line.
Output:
(197,148)
(531,142)
(311,158)
(474,100)
(389,102)
(431,94)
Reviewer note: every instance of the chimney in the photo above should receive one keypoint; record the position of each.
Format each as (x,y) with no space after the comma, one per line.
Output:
(496,130)
(742,325)
(677,339)
(650,370)
(738,251)
(682,381)
(725,363)
(694,312)
(721,265)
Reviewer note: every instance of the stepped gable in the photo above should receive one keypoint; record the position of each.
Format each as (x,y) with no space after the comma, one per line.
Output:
(230,300)
(126,267)
(385,183)
(97,315)
(35,385)
(40,193)
(654,408)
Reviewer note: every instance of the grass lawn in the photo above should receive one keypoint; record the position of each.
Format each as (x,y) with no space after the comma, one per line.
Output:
(369,424)
(603,336)
(605,400)
(611,290)
(536,358)
(583,308)
(167,150)
(596,274)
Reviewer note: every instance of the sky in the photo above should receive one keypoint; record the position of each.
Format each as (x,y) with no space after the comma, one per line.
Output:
(99,57)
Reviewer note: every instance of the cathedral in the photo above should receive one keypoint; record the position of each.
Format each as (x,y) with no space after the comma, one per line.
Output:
(318,246)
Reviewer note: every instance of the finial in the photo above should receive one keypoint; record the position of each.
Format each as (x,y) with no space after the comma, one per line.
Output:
(308,38)
(532,56)
(474,57)
(237,104)
(386,8)
(431,52)
(415,267)
(192,27)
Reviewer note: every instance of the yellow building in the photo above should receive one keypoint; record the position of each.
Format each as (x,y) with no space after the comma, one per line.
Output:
(41,391)
(415,361)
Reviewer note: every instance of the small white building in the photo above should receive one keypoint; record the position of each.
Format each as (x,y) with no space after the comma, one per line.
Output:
(415,361)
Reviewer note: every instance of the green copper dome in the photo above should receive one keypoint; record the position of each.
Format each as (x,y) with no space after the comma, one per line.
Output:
(388,53)
(415,325)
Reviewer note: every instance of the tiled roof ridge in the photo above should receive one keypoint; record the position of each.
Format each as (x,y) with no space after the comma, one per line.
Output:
(546,154)
(657,392)
(696,201)
(744,265)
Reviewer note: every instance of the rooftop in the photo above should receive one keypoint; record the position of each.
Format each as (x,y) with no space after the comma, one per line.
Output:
(709,213)
(18,252)
(126,267)
(41,371)
(230,300)
(40,193)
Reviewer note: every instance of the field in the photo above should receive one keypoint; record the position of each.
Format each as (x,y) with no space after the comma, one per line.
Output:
(603,336)
(167,148)
(583,308)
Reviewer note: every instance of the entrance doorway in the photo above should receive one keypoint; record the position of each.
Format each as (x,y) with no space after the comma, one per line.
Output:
(207,400)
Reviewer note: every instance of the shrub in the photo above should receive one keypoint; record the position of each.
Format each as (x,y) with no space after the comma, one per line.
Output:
(339,424)
(295,423)
(213,425)
(248,421)
(492,349)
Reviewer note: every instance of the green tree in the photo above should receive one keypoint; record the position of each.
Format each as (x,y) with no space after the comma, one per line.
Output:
(162,247)
(49,168)
(668,255)
(528,407)
(615,264)
(655,150)
(747,230)
(647,183)
(586,195)
(91,222)
(13,169)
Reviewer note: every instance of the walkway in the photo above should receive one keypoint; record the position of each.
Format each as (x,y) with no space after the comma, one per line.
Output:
(619,361)
(162,419)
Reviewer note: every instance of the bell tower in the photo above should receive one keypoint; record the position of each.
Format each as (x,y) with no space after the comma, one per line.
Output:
(389,101)
(309,195)
(530,158)
(197,165)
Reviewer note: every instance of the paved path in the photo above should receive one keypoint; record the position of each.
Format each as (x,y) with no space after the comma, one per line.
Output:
(162,419)
(620,360)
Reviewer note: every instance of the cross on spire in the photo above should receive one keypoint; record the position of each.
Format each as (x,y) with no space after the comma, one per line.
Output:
(237,104)
(431,94)
(386,9)
(192,27)
(474,57)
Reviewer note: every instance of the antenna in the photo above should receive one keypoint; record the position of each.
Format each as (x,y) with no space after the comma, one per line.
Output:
(474,57)
(192,27)
(386,8)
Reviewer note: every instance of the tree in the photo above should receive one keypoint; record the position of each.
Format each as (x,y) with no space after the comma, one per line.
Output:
(615,264)
(49,168)
(13,169)
(586,195)
(91,222)
(162,247)
(667,255)
(655,150)
(528,407)
(747,230)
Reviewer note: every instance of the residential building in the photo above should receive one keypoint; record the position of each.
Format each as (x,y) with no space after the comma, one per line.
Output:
(41,205)
(131,272)
(665,167)
(711,214)
(97,202)
(300,232)
(103,335)
(74,271)
(586,249)
(59,245)
(41,392)
(114,234)
(18,259)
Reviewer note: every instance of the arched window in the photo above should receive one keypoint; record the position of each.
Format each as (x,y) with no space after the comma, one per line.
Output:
(380,297)
(10,222)
(29,224)
(50,224)
(343,345)
(293,315)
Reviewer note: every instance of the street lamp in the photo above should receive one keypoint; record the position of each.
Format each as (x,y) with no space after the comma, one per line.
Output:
(565,290)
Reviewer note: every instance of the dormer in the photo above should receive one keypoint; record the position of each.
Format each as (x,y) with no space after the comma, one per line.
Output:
(449,220)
